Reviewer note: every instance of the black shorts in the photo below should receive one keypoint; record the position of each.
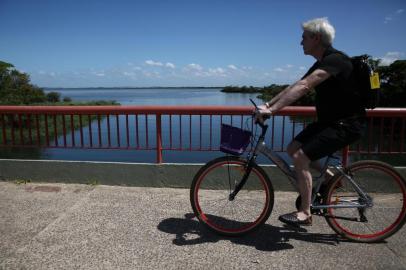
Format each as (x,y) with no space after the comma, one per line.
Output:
(322,139)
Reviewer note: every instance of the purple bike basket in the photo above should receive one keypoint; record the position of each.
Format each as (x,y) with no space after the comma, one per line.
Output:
(234,140)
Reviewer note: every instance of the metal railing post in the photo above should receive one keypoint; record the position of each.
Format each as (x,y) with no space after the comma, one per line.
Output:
(386,129)
(158,139)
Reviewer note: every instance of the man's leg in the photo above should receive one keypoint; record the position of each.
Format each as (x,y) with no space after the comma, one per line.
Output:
(316,165)
(294,146)
(304,177)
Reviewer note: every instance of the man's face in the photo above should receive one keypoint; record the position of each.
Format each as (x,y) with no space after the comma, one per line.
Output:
(309,42)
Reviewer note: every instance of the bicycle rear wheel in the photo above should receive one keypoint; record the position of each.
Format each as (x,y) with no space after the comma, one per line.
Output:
(377,221)
(210,190)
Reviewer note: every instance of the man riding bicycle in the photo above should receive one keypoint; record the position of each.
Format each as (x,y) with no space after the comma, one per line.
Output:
(340,118)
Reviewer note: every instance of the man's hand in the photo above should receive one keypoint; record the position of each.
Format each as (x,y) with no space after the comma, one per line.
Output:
(265,110)
(263,113)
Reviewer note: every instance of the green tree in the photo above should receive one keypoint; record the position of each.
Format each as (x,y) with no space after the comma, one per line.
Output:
(393,84)
(15,87)
(67,99)
(53,97)
(270,91)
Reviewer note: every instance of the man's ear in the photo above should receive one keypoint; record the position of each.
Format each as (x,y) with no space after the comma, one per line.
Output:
(317,37)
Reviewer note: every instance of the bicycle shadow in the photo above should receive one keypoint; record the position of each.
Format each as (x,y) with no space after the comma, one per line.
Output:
(188,231)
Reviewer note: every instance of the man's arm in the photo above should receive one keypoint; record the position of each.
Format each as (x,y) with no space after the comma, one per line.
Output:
(279,95)
(295,91)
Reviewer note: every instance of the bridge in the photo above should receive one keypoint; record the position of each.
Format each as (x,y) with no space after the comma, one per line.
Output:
(161,130)
(58,226)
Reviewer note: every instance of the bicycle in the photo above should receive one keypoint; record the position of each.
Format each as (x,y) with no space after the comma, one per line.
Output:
(232,196)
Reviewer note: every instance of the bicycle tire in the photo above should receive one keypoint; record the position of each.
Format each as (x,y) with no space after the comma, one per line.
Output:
(209,197)
(374,223)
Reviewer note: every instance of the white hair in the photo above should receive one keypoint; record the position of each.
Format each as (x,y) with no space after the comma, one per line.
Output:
(323,27)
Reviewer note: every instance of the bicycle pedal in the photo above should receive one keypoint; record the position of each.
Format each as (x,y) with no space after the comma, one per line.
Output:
(363,218)
(316,212)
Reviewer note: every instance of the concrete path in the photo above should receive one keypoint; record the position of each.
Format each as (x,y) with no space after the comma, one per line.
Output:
(70,226)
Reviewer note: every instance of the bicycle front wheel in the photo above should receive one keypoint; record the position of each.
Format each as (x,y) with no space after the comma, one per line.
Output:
(374,219)
(212,186)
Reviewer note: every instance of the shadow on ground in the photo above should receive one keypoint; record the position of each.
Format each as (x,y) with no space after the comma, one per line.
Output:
(188,231)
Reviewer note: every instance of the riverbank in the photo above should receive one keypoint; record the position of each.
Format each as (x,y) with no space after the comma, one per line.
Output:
(46,128)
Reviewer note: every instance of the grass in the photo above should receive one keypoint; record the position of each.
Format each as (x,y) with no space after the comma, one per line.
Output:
(22,181)
(93,182)
(33,129)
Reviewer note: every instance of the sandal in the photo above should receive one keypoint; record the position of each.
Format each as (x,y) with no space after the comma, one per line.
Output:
(292,219)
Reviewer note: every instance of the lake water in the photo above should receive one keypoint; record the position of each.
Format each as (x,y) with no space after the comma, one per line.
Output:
(184,96)
(151,96)
(172,97)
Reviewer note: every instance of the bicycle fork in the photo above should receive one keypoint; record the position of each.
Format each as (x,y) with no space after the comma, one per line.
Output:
(250,164)
(244,179)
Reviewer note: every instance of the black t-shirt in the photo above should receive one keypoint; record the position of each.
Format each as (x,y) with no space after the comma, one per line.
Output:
(335,96)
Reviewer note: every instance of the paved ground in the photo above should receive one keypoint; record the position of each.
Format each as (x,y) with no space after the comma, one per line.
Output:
(60,226)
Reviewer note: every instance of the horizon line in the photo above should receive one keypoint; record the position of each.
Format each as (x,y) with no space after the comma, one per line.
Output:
(129,87)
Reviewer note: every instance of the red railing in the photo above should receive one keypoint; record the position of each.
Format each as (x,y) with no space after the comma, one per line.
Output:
(174,128)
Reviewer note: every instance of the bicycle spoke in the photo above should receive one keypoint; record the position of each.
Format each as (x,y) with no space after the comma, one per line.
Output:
(382,216)
(245,212)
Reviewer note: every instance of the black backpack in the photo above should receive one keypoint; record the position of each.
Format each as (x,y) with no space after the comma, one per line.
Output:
(366,82)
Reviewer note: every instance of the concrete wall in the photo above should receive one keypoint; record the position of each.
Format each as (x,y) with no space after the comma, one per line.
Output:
(107,173)
(125,174)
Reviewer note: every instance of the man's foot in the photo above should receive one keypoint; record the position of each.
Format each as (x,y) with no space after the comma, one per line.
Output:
(296,219)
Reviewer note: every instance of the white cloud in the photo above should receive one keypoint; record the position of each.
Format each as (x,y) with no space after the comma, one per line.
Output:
(194,67)
(129,74)
(217,72)
(393,16)
(232,67)
(45,73)
(153,63)
(388,19)
(159,64)
(390,57)
(153,71)
(170,65)
(198,71)
(153,74)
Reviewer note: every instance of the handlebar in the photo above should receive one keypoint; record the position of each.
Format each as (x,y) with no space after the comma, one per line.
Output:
(259,118)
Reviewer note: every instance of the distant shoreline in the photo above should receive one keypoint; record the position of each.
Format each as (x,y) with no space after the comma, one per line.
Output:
(152,87)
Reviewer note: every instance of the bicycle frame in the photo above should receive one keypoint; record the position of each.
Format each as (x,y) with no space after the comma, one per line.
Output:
(290,173)
(277,160)
(261,148)
(232,216)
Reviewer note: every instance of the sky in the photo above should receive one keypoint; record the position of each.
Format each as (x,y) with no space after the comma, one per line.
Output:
(146,43)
